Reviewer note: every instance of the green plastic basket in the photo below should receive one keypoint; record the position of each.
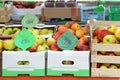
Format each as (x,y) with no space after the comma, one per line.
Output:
(114,13)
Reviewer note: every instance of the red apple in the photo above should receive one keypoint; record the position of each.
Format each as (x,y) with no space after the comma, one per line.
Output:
(57,35)
(80,42)
(33,48)
(98,65)
(102,34)
(54,47)
(85,39)
(83,48)
(97,30)
(111,54)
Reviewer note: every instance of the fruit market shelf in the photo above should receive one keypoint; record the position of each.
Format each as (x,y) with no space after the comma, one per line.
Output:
(56,78)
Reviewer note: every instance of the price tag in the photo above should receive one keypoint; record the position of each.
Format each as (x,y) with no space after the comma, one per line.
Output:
(24,39)
(30,20)
(67,41)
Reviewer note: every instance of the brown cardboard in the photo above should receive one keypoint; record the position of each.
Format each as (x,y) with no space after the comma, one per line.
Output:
(65,12)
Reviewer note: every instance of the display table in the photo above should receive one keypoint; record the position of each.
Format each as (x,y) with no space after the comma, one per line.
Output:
(55,78)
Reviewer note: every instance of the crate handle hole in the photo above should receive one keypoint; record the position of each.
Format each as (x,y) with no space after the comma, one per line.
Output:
(67,62)
(23,62)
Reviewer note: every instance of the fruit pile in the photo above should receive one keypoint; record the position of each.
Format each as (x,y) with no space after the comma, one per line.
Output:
(20,4)
(109,35)
(7,35)
(77,30)
(9,31)
(108,66)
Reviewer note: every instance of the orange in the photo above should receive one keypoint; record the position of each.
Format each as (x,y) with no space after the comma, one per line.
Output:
(79,33)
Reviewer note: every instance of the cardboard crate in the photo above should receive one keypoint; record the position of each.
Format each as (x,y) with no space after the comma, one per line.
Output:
(10,60)
(80,63)
(59,12)
(95,47)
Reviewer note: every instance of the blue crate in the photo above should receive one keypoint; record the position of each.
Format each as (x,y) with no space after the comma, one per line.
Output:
(87,12)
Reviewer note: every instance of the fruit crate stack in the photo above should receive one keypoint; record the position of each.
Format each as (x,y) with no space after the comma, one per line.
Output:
(32,60)
(69,51)
(114,13)
(105,52)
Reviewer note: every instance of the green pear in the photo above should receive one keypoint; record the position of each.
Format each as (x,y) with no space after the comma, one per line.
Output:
(39,39)
(6,32)
(10,29)
(16,30)
(1,31)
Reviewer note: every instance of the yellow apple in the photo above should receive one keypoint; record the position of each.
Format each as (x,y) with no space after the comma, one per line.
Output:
(109,39)
(9,44)
(117,34)
(50,41)
(1,44)
(39,39)
(44,31)
(112,29)
(40,48)
(35,31)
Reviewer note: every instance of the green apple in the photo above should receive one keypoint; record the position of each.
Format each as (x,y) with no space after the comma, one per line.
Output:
(9,44)
(41,48)
(6,32)
(117,34)
(16,29)
(113,66)
(106,64)
(46,46)
(103,67)
(109,39)
(44,31)
(1,31)
(117,53)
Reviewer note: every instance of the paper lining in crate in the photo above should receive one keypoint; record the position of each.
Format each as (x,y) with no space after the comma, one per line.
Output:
(68,62)
(23,62)
(107,58)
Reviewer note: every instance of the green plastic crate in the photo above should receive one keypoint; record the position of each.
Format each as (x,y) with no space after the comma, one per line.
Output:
(114,13)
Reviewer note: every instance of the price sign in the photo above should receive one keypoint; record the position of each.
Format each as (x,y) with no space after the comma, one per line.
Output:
(24,39)
(30,20)
(67,41)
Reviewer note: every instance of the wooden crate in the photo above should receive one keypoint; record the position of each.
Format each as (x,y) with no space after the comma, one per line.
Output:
(95,47)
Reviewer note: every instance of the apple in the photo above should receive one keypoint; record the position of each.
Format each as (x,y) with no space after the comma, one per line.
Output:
(113,66)
(117,34)
(80,43)
(83,48)
(46,46)
(103,67)
(102,34)
(85,39)
(103,52)
(69,24)
(96,39)
(111,54)
(112,29)
(1,31)
(35,31)
(117,53)
(33,48)
(106,64)
(44,31)
(16,29)
(98,65)
(40,48)
(54,47)
(109,39)
(50,32)
(1,44)
(39,39)
(9,44)
(97,30)
(50,41)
